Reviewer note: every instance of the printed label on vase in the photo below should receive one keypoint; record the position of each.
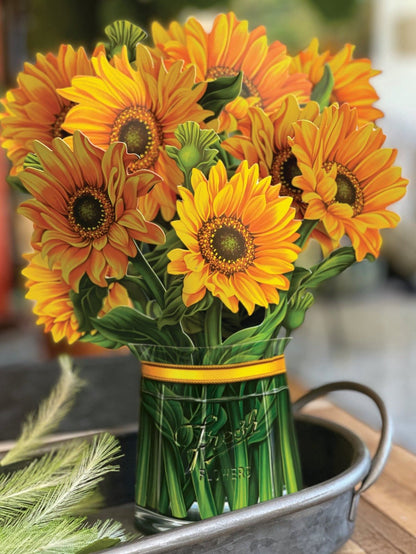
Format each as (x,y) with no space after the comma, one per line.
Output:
(200,439)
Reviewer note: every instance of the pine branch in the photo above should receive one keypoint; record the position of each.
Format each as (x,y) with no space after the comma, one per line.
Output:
(79,483)
(50,413)
(38,502)
(25,487)
(67,534)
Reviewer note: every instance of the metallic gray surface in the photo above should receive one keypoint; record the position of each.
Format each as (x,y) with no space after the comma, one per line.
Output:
(313,520)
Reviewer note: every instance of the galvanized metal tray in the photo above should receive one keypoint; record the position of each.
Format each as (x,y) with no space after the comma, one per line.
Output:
(318,519)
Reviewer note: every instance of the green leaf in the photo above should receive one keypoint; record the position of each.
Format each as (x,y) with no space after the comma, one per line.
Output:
(221,92)
(175,309)
(32,161)
(136,289)
(321,92)
(123,33)
(128,326)
(87,302)
(16,184)
(298,276)
(158,258)
(100,340)
(336,263)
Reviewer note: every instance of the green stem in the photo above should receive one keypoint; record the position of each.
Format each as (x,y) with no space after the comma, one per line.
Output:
(155,472)
(240,461)
(269,486)
(202,487)
(226,465)
(306,228)
(288,450)
(212,324)
(266,488)
(164,496)
(219,496)
(253,489)
(152,281)
(177,503)
(143,457)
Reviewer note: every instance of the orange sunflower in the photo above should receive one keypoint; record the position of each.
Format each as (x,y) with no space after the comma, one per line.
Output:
(239,238)
(51,296)
(84,209)
(351,77)
(265,142)
(225,51)
(34,110)
(141,106)
(53,305)
(348,180)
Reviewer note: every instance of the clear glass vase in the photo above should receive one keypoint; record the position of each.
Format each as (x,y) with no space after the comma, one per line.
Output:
(216,432)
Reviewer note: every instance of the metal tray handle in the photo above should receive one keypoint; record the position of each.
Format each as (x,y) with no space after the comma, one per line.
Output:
(380,457)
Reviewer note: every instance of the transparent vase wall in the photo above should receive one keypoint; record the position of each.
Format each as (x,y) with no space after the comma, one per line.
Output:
(207,448)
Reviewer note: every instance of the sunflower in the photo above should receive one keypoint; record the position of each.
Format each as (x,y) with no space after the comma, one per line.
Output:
(348,179)
(53,305)
(265,142)
(34,110)
(239,237)
(142,107)
(84,209)
(225,51)
(351,77)
(52,301)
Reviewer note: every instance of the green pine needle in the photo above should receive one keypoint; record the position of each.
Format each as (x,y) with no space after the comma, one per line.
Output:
(50,413)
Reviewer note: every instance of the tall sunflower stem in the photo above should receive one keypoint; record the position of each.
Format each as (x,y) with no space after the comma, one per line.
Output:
(152,281)
(212,324)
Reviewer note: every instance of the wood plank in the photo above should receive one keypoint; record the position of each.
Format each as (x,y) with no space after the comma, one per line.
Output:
(397,503)
(350,547)
(375,532)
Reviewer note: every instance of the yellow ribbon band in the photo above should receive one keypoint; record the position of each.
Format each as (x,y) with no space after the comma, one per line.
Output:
(211,374)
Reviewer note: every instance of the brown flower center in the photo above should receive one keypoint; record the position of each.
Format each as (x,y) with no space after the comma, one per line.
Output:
(139,129)
(284,169)
(348,188)
(90,212)
(248,88)
(56,130)
(226,245)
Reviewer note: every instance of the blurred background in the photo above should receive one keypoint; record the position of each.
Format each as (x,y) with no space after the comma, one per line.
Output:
(362,326)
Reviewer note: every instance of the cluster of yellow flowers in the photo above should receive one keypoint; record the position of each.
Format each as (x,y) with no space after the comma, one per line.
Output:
(102,128)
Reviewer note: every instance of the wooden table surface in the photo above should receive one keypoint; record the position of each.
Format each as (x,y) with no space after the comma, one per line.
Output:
(386,518)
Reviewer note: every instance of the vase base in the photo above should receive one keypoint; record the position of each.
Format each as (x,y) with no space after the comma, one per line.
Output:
(149,522)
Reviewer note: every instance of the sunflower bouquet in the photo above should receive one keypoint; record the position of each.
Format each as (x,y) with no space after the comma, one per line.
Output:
(172,183)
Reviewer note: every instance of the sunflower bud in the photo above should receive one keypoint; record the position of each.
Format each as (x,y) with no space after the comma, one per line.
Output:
(195,151)
(299,303)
